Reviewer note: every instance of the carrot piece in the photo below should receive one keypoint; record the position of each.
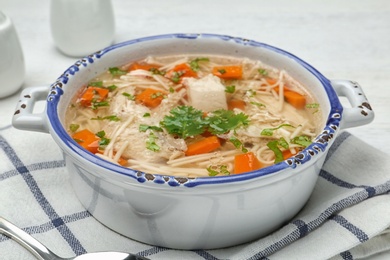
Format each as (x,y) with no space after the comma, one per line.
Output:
(150,97)
(287,154)
(236,103)
(122,161)
(87,140)
(228,72)
(271,81)
(142,66)
(206,145)
(246,162)
(93,93)
(180,71)
(294,98)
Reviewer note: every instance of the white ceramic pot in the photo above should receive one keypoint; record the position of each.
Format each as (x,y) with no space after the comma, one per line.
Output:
(200,213)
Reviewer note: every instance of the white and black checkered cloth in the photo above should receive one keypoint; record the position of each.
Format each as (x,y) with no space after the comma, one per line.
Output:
(347,216)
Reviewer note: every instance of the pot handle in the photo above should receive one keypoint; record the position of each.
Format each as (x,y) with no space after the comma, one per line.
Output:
(24,117)
(360,112)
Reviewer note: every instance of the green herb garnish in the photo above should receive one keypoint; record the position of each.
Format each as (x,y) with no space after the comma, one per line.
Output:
(230,89)
(313,105)
(270,131)
(222,71)
(156,71)
(128,95)
(104,141)
(115,71)
(110,118)
(73,127)
(184,121)
(176,76)
(96,104)
(251,93)
(146,115)
(301,140)
(222,121)
(101,134)
(238,144)
(96,84)
(215,170)
(156,95)
(151,143)
(194,64)
(144,128)
(112,88)
(263,72)
(257,104)
(274,146)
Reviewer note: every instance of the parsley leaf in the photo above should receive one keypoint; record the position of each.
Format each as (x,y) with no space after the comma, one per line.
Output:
(222,121)
(129,96)
(144,128)
(110,118)
(184,121)
(257,104)
(104,141)
(156,71)
(301,140)
(96,84)
(270,131)
(176,76)
(274,146)
(215,170)
(238,144)
(115,71)
(100,134)
(73,127)
(194,64)
(263,72)
(230,89)
(151,143)
(112,88)
(313,105)
(222,71)
(96,104)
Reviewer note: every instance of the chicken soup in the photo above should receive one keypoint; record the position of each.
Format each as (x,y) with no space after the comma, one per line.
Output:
(194,115)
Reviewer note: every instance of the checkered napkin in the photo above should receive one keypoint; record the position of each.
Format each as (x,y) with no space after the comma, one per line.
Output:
(347,216)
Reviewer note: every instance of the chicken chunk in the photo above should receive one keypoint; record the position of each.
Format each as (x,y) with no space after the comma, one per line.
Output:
(207,93)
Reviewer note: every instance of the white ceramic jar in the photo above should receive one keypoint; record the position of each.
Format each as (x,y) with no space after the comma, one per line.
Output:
(81,27)
(12,68)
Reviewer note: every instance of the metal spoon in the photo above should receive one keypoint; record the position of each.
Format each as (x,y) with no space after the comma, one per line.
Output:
(43,253)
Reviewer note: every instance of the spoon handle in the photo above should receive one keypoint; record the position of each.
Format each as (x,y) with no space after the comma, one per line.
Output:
(27,241)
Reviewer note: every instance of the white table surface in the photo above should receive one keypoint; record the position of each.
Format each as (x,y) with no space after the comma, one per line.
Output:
(346,39)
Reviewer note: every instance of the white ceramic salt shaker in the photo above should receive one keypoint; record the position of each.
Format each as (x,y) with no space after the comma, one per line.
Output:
(81,27)
(12,68)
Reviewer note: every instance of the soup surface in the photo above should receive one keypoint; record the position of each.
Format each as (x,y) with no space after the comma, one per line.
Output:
(194,115)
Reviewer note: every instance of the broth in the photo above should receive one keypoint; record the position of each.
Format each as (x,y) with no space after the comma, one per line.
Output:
(194,115)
